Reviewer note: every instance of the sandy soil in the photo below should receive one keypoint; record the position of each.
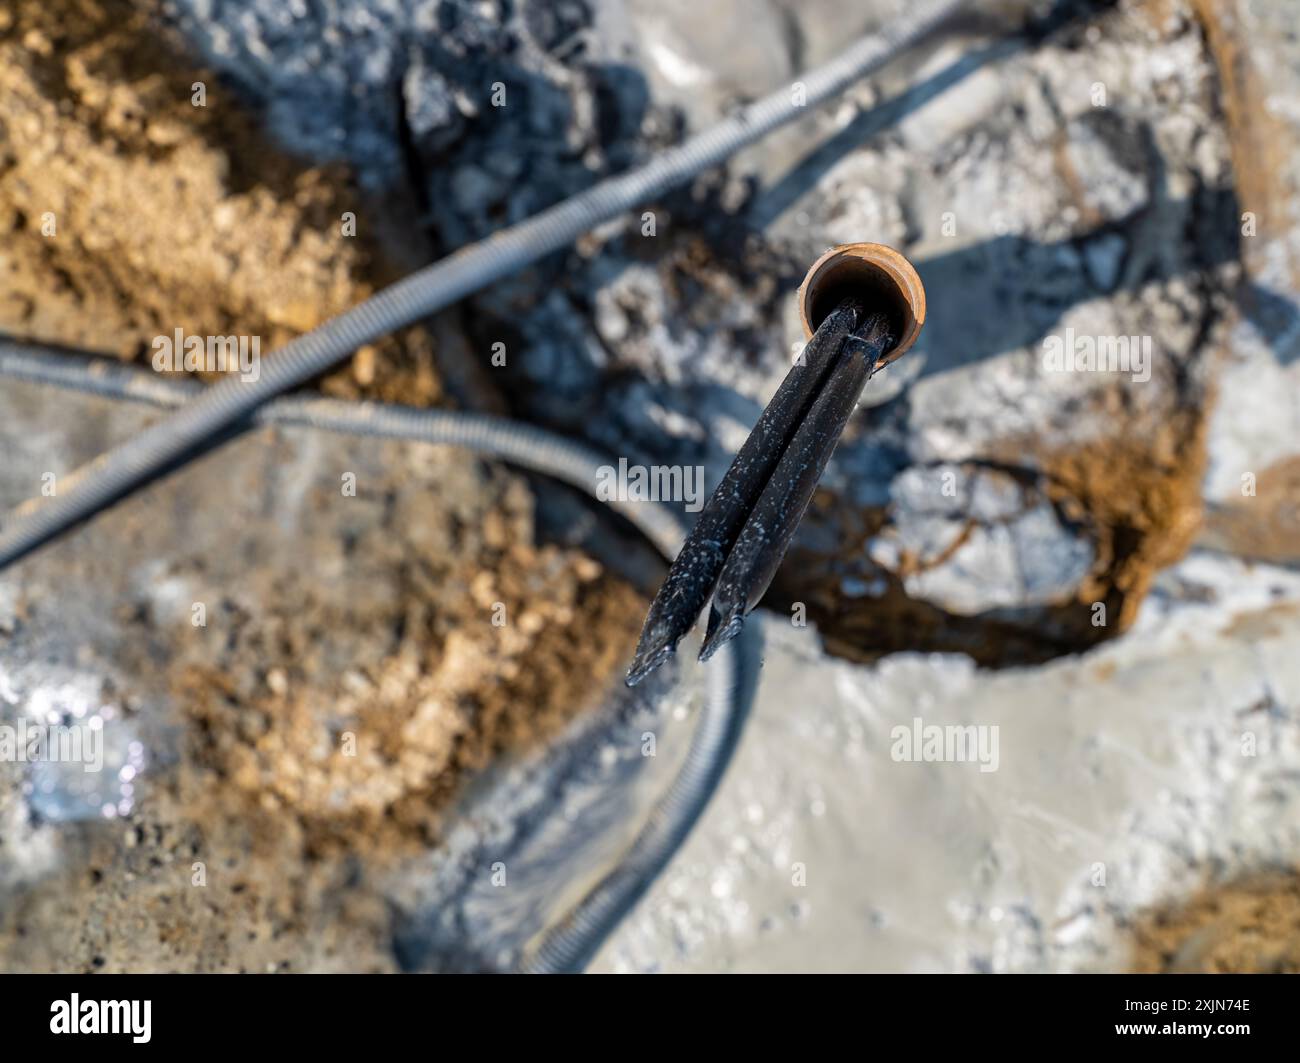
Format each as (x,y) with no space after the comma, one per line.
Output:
(1246,927)
(127,211)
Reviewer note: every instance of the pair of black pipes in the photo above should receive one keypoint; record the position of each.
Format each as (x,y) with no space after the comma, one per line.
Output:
(862,306)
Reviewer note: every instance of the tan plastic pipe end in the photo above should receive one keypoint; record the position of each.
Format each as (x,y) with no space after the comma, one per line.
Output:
(880,276)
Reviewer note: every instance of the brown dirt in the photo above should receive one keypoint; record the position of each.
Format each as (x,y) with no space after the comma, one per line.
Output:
(1141,493)
(1137,495)
(1262,527)
(301,836)
(1262,145)
(126,211)
(1247,927)
(454,694)
(865,629)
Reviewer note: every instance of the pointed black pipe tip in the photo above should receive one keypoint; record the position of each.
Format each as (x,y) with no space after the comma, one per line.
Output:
(647,661)
(720,632)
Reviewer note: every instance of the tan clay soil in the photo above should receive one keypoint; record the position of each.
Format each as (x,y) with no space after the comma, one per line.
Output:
(1142,493)
(1263,526)
(127,212)
(1250,927)
(1139,497)
(324,723)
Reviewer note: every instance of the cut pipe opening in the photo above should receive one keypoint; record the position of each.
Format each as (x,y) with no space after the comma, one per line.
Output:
(881,278)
